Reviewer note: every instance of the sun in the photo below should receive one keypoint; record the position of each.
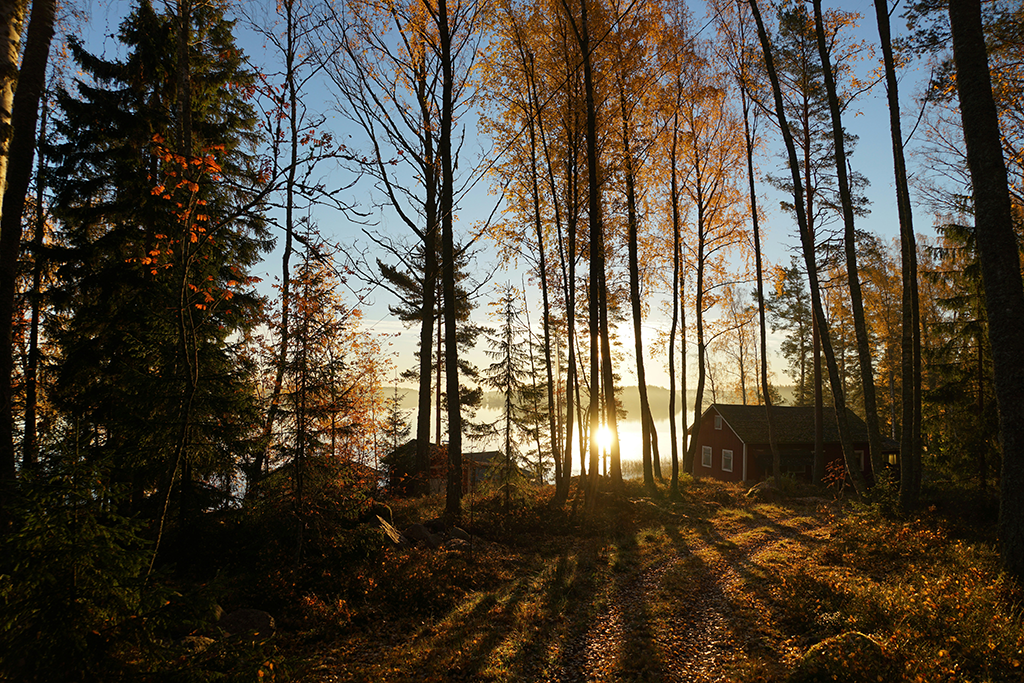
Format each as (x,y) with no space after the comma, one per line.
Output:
(604,438)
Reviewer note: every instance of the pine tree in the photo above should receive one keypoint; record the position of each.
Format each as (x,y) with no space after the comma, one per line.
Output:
(407,281)
(397,429)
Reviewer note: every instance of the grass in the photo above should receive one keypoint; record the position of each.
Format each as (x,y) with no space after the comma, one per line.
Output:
(715,585)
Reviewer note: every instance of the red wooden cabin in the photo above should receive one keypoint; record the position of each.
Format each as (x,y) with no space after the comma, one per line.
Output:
(732,444)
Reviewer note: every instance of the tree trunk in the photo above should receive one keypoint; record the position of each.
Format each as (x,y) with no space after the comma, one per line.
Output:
(676,268)
(910,447)
(12,25)
(608,381)
(439,382)
(809,259)
(698,403)
(30,447)
(289,235)
(572,377)
(453,501)
(632,220)
(556,453)
(430,268)
(683,372)
(759,269)
(582,33)
(998,254)
(655,452)
(856,298)
(568,274)
(818,471)
(25,113)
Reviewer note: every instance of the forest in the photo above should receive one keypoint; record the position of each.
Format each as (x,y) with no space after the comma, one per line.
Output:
(538,185)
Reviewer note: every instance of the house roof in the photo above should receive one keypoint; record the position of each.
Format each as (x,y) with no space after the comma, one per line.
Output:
(793,424)
(484,457)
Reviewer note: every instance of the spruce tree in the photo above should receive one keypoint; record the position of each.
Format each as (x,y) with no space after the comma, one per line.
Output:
(961,399)
(509,375)
(789,309)
(160,230)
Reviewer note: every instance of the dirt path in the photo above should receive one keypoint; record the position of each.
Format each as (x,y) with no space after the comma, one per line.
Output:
(699,644)
(694,645)
(707,634)
(681,599)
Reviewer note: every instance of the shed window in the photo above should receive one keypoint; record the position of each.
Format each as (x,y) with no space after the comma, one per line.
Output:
(726,460)
(718,421)
(705,456)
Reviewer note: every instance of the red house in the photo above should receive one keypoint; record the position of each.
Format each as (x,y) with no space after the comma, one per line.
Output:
(732,444)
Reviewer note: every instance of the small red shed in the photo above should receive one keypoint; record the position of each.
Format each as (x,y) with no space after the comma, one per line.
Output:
(732,444)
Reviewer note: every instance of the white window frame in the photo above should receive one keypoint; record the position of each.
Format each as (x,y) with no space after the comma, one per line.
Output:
(705,456)
(732,460)
(718,422)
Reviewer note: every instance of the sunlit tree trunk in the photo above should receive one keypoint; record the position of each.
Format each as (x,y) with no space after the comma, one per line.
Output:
(12,25)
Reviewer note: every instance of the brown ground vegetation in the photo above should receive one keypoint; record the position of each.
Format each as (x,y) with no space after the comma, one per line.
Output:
(718,586)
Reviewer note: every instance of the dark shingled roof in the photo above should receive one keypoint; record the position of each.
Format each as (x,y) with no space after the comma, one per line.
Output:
(484,457)
(793,424)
